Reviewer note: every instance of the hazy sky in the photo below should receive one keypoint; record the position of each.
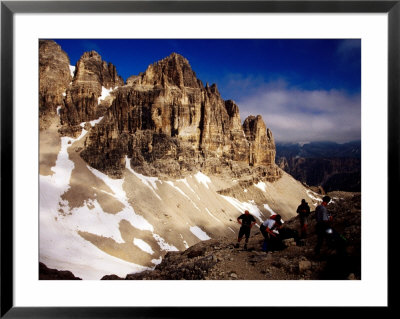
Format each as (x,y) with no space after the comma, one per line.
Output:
(305,90)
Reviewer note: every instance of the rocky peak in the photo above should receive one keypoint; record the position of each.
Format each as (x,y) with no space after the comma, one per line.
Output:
(82,103)
(213,89)
(173,70)
(54,78)
(167,123)
(92,68)
(252,125)
(231,108)
(91,55)
(262,149)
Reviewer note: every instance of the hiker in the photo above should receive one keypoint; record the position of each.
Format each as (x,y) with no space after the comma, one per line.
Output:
(324,220)
(303,210)
(247,221)
(269,229)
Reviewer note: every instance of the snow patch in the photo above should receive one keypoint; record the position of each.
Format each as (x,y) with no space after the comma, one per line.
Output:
(262,186)
(58,109)
(177,188)
(163,244)
(313,196)
(104,94)
(266,206)
(241,207)
(180,191)
(203,179)
(157,261)
(209,213)
(184,242)
(127,212)
(199,233)
(72,70)
(188,186)
(150,182)
(94,122)
(143,245)
(92,219)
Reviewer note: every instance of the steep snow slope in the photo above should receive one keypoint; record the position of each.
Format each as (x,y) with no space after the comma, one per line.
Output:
(94,225)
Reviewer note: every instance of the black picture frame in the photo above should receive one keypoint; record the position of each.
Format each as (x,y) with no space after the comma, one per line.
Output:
(9,8)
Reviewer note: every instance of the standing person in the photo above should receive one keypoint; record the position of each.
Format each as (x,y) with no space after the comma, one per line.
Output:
(247,221)
(269,229)
(323,222)
(303,210)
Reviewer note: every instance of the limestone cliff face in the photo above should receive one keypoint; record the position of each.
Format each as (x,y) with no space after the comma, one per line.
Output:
(262,148)
(167,122)
(92,74)
(54,78)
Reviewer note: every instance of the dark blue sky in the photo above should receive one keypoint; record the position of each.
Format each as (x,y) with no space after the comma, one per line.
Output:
(246,69)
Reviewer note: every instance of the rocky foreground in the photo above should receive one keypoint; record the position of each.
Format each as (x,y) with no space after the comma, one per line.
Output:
(217,259)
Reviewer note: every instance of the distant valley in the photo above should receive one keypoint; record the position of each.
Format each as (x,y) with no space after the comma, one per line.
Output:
(330,165)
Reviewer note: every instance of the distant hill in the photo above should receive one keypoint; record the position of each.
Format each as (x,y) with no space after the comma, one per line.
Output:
(319,150)
(330,165)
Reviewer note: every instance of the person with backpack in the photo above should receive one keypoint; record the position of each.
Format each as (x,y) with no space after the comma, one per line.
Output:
(303,210)
(324,220)
(269,229)
(247,221)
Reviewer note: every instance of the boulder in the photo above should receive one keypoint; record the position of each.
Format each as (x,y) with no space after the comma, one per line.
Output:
(46,273)
(304,265)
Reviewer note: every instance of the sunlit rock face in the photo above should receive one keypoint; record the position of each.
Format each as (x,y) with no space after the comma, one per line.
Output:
(167,122)
(54,78)
(92,77)
(164,119)
(262,145)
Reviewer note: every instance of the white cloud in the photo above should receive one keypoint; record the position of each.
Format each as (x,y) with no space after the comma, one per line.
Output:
(296,115)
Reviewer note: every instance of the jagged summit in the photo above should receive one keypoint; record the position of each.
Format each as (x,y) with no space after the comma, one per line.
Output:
(175,56)
(167,122)
(174,60)
(92,77)
(91,68)
(91,54)
(164,120)
(173,70)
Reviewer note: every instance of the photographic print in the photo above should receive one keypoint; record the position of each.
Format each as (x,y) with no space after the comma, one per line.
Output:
(200,159)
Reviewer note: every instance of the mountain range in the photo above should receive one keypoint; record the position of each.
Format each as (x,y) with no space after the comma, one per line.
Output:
(330,165)
(130,171)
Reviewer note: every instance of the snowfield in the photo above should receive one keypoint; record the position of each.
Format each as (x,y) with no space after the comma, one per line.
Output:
(199,233)
(151,215)
(61,246)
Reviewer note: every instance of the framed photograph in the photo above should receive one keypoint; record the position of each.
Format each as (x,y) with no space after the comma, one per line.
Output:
(139,137)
